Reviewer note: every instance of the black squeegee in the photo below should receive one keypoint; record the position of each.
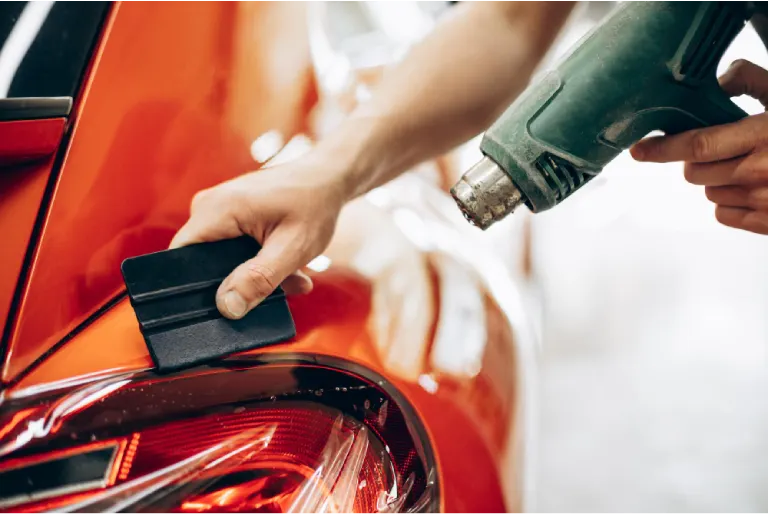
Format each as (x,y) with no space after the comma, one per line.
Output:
(174,296)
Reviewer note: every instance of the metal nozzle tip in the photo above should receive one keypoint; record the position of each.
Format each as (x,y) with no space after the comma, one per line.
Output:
(485,194)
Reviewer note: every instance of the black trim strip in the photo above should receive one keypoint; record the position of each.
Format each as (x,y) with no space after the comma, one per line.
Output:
(63,474)
(16,109)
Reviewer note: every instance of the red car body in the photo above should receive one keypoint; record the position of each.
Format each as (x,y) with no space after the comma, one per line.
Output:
(410,342)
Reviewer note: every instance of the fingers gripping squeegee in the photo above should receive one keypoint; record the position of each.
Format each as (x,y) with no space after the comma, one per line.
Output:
(649,66)
(174,296)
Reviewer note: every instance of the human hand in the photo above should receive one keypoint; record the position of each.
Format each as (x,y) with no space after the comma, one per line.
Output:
(290,209)
(730,160)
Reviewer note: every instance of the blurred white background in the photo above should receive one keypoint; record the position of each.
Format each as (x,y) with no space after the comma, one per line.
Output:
(654,390)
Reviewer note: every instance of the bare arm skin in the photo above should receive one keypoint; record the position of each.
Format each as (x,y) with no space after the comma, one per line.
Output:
(449,88)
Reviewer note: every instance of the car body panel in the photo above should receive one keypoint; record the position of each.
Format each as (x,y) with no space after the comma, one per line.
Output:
(27,150)
(116,196)
(409,292)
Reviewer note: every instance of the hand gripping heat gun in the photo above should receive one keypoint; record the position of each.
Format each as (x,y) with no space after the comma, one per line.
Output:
(649,66)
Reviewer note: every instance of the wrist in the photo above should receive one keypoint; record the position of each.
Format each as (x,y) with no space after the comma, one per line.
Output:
(351,156)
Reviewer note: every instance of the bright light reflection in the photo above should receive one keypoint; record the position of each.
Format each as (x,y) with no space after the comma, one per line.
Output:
(428,383)
(319,263)
(19,40)
(266,146)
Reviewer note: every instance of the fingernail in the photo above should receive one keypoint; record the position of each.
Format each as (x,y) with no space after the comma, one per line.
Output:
(235,304)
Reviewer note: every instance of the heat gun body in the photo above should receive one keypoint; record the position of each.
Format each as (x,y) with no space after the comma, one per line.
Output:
(649,66)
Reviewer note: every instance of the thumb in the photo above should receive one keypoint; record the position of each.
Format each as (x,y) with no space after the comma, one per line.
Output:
(746,78)
(255,279)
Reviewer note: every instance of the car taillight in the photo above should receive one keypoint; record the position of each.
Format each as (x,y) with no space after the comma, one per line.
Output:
(274,437)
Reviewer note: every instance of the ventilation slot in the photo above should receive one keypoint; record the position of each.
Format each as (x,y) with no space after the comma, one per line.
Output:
(719,27)
(561,176)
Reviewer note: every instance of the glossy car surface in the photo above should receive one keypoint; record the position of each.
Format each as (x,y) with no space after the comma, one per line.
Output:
(173,99)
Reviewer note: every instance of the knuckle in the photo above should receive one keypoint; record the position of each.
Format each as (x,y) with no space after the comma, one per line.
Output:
(649,148)
(305,242)
(739,66)
(747,172)
(760,172)
(721,215)
(239,202)
(262,279)
(200,198)
(737,74)
(690,173)
(756,221)
(701,145)
(758,198)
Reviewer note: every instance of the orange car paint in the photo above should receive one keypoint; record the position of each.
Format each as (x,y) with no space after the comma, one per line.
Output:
(26,157)
(161,117)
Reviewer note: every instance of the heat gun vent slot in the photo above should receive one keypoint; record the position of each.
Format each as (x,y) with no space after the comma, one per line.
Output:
(717,28)
(562,176)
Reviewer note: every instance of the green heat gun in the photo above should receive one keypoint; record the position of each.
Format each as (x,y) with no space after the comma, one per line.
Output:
(649,66)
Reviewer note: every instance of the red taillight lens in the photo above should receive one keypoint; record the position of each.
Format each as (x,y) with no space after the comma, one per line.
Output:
(271,438)
(305,456)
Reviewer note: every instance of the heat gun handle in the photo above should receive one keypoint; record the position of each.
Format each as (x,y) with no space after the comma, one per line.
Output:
(707,107)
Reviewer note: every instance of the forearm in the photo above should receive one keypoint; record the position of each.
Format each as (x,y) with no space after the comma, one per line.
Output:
(451,86)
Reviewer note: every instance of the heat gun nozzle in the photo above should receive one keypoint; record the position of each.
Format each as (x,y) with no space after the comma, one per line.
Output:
(485,194)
